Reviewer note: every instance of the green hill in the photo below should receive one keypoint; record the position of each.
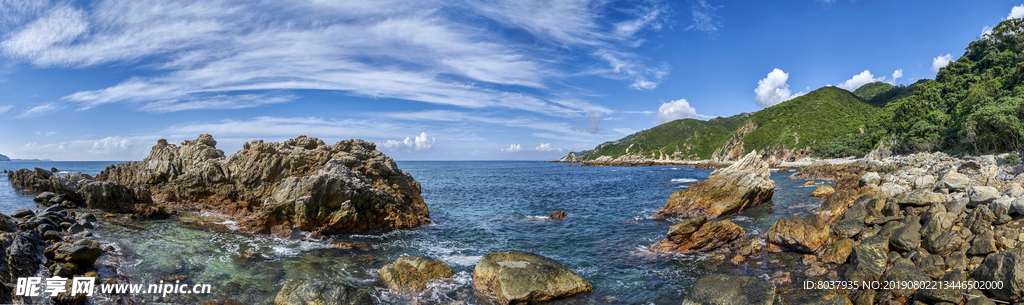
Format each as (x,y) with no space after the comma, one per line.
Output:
(679,139)
(808,121)
(4,158)
(869,91)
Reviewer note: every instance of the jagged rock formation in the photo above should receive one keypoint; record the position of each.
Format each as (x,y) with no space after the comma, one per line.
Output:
(698,235)
(570,158)
(82,190)
(282,188)
(727,191)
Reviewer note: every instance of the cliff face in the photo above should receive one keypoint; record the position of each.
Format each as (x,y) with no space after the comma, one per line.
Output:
(281,188)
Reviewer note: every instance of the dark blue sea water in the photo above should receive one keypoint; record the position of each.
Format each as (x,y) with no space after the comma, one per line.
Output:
(477,207)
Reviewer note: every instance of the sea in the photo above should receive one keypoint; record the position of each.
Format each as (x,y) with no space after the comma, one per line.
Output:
(477,207)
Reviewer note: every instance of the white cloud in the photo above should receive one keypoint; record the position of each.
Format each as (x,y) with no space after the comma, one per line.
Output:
(39,110)
(420,142)
(5,108)
(546,147)
(512,148)
(674,110)
(704,17)
(773,89)
(195,54)
(859,80)
(940,62)
(896,75)
(112,146)
(1016,12)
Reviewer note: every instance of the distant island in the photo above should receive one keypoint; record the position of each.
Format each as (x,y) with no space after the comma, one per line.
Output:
(4,158)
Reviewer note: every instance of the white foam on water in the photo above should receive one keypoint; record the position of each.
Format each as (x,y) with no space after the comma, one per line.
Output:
(232,225)
(684,180)
(537,217)
(284,251)
(462,260)
(742,218)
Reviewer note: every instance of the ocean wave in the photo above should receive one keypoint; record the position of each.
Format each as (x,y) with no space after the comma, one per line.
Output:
(537,217)
(684,180)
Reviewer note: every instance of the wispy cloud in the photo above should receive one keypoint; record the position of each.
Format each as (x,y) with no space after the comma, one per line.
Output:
(704,18)
(197,54)
(5,108)
(38,111)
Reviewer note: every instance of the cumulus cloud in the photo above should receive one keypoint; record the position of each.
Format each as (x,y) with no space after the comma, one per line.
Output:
(941,62)
(674,110)
(112,146)
(512,148)
(895,75)
(420,142)
(547,147)
(860,79)
(773,89)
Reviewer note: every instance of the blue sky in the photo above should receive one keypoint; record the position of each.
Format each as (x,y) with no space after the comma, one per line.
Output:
(439,80)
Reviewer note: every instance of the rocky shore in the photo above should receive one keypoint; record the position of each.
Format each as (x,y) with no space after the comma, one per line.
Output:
(926,218)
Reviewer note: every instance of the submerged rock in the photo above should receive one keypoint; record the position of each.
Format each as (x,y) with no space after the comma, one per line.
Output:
(725,289)
(727,191)
(280,188)
(311,292)
(412,273)
(516,277)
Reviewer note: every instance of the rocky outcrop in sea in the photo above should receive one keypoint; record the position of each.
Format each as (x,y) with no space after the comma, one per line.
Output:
(725,192)
(81,190)
(283,188)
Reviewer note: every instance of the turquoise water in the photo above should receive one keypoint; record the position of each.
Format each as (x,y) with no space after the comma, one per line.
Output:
(477,207)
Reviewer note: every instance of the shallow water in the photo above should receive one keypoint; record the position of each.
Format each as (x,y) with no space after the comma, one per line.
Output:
(477,207)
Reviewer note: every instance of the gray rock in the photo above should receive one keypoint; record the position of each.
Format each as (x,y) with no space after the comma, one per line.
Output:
(22,213)
(870,179)
(1018,205)
(51,235)
(849,227)
(75,228)
(957,261)
(981,195)
(857,211)
(724,289)
(954,296)
(955,182)
(891,208)
(44,197)
(979,300)
(413,273)
(87,217)
(56,200)
(87,225)
(980,220)
(1014,190)
(8,224)
(926,182)
(956,205)
(946,243)
(920,197)
(935,225)
(1007,267)
(1001,206)
(877,241)
(906,238)
(321,292)
(867,263)
(903,270)
(983,244)
(83,252)
(933,265)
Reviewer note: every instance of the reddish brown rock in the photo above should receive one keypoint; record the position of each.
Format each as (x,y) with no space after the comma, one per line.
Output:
(710,236)
(727,191)
(800,235)
(557,215)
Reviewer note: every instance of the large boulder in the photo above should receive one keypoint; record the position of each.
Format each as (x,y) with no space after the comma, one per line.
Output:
(83,252)
(981,195)
(1006,267)
(867,263)
(800,235)
(724,289)
(516,277)
(920,197)
(301,184)
(20,256)
(955,181)
(870,179)
(316,292)
(412,273)
(707,237)
(726,191)
(904,271)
